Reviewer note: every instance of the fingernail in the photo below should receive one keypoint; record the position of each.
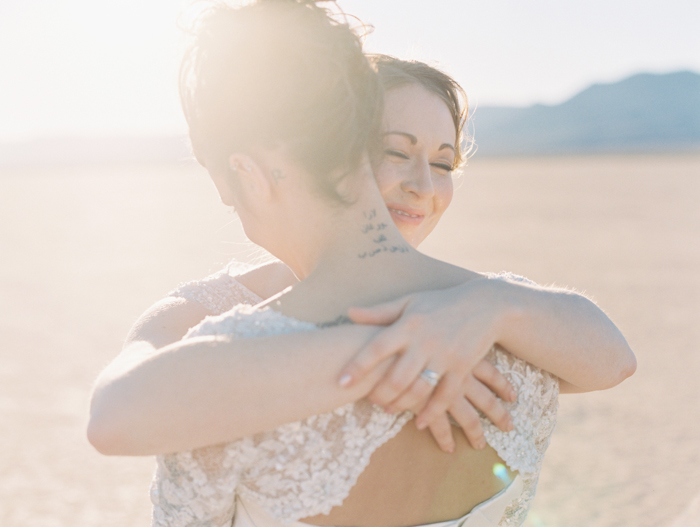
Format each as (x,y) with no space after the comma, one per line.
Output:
(510,426)
(451,449)
(482,444)
(420,425)
(345,380)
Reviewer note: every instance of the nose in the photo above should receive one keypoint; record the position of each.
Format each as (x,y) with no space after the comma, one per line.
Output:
(419,180)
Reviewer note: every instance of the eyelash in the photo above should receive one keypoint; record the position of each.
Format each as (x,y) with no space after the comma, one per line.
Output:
(396,153)
(442,166)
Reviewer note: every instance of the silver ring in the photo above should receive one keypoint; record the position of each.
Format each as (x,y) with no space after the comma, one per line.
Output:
(430,376)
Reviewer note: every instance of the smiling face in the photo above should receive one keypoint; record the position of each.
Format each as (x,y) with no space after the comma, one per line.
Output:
(414,173)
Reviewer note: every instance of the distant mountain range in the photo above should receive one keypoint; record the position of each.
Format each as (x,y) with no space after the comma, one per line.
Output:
(643,113)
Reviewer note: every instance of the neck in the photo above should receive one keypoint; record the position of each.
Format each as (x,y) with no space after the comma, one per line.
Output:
(360,235)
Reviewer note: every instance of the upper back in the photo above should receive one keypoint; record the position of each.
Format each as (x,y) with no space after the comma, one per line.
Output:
(327,298)
(412,482)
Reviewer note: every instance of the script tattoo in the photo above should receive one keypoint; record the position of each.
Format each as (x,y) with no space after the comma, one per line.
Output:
(379,240)
(277,175)
(340,320)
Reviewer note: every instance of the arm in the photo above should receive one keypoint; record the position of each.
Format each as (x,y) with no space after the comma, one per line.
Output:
(162,394)
(209,390)
(449,331)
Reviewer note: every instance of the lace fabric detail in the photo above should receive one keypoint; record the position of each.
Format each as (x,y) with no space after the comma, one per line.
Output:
(188,488)
(218,293)
(534,412)
(297,470)
(534,419)
(308,467)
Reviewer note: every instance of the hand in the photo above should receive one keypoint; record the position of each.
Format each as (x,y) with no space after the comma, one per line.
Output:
(480,390)
(447,331)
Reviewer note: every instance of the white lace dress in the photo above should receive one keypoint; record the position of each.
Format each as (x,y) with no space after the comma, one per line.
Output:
(306,468)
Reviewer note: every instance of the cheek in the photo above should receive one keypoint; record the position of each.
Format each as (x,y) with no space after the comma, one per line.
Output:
(444,189)
(387,177)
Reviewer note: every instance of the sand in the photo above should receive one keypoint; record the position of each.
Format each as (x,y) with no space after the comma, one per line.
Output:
(84,250)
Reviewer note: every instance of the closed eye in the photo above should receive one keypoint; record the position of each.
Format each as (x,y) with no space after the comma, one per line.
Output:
(442,166)
(396,153)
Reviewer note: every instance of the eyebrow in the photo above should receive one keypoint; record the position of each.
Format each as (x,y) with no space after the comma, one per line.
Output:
(410,137)
(413,139)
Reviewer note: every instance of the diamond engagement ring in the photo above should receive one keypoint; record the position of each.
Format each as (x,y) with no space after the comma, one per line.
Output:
(430,376)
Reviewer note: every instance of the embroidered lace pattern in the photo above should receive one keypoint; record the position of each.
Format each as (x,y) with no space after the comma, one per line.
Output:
(218,293)
(306,468)
(534,418)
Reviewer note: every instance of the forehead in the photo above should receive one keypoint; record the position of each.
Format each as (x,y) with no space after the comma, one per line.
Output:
(415,110)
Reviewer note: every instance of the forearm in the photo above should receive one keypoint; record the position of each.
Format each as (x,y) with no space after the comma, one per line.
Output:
(564,333)
(209,390)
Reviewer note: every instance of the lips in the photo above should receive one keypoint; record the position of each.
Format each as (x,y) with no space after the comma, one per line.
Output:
(406,214)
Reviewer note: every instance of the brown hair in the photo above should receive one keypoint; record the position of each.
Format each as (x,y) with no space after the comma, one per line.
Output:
(280,73)
(395,73)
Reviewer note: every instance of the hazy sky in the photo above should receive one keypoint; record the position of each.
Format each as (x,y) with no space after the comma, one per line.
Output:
(109,66)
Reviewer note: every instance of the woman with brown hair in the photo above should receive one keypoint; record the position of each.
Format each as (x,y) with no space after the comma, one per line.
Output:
(308,201)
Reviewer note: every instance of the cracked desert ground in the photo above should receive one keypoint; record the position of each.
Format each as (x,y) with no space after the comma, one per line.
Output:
(84,250)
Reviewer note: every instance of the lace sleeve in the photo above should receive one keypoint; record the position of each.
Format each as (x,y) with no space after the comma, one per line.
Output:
(534,418)
(177,489)
(218,293)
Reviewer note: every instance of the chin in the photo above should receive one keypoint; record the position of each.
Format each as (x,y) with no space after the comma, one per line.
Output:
(416,243)
(413,239)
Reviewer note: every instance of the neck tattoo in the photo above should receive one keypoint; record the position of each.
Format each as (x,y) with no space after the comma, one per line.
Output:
(373,230)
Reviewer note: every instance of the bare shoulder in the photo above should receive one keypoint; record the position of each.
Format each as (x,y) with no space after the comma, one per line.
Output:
(443,274)
(268,279)
(166,322)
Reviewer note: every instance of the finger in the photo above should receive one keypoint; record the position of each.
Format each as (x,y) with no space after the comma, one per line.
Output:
(490,376)
(468,419)
(448,390)
(442,432)
(399,379)
(486,401)
(387,343)
(379,315)
(414,399)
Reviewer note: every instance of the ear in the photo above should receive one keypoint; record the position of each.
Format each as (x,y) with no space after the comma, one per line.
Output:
(248,178)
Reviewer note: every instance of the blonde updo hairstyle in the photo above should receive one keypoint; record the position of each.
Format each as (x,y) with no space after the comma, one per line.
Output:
(280,73)
(395,73)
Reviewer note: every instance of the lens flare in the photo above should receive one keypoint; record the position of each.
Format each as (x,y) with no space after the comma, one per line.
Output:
(500,471)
